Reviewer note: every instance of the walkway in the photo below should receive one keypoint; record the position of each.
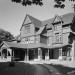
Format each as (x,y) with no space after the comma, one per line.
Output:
(44,69)
(39,70)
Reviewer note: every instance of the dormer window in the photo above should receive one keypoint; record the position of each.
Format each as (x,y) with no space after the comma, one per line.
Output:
(57,27)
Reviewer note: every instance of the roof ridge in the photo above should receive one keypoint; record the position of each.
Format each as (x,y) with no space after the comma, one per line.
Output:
(33,17)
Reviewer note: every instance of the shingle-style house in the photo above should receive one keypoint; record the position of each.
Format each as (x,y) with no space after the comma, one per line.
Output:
(43,40)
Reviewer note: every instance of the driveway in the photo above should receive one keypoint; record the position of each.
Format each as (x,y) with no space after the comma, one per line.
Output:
(40,70)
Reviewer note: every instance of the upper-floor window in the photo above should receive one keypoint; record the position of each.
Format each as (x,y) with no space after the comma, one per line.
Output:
(27,28)
(37,39)
(58,38)
(26,40)
(57,27)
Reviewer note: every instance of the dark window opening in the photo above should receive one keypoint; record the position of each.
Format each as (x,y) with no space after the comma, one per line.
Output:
(36,29)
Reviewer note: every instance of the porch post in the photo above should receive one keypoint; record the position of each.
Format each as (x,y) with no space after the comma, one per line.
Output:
(73,51)
(39,54)
(27,54)
(1,53)
(60,54)
(48,54)
(34,54)
(11,55)
(7,53)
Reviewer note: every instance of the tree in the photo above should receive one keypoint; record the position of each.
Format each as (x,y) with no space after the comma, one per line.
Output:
(28,2)
(5,36)
(58,3)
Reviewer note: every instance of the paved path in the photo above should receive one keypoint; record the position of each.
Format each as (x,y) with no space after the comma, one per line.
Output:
(40,70)
(53,70)
(44,69)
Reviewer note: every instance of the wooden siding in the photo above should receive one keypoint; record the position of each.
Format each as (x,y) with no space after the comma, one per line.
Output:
(37,38)
(65,38)
(66,29)
(49,41)
(27,20)
(49,33)
(43,39)
(25,34)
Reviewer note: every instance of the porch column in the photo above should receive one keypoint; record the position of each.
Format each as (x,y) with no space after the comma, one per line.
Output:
(27,54)
(10,51)
(1,53)
(39,54)
(7,53)
(47,55)
(60,54)
(73,51)
(13,53)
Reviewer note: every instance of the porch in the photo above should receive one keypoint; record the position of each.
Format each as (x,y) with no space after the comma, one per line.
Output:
(32,52)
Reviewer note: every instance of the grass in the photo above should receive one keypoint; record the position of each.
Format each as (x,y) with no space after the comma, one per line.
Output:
(62,69)
(18,69)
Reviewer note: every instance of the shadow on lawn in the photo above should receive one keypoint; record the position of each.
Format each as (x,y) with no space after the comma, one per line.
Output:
(64,70)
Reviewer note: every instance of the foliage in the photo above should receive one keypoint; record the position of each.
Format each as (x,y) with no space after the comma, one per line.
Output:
(5,36)
(29,2)
(58,3)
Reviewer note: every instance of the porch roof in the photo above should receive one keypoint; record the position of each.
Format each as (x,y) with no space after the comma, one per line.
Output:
(25,46)
(29,46)
(60,46)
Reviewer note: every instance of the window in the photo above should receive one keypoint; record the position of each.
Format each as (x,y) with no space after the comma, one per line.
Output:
(36,29)
(27,28)
(26,40)
(57,27)
(58,38)
(32,39)
(37,39)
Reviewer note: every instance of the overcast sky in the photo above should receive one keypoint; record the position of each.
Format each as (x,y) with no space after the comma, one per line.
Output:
(12,14)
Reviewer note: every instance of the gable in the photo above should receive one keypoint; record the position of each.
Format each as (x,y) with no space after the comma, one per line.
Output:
(26,20)
(57,19)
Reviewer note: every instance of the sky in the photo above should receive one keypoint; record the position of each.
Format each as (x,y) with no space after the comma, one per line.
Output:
(12,15)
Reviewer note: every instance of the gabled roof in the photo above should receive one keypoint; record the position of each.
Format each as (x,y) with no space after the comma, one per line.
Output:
(48,22)
(36,22)
(66,19)
(58,18)
(40,30)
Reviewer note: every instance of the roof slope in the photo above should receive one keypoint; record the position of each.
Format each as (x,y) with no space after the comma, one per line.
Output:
(24,46)
(36,22)
(66,18)
(40,30)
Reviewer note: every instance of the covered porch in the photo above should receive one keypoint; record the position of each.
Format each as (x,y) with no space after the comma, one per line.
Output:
(23,52)
(34,52)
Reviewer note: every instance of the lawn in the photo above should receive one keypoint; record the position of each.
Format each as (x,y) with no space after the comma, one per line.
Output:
(63,69)
(18,69)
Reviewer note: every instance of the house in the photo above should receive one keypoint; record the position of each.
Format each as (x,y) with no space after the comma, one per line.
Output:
(43,40)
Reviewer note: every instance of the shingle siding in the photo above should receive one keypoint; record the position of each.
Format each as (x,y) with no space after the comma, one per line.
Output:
(49,36)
